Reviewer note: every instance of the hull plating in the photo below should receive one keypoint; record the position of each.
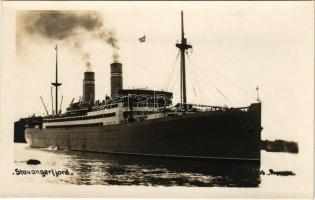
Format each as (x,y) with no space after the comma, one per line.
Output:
(220,135)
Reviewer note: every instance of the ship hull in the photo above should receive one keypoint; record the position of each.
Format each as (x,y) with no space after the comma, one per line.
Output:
(233,135)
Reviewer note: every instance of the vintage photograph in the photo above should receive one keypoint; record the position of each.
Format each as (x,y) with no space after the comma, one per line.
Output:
(157,99)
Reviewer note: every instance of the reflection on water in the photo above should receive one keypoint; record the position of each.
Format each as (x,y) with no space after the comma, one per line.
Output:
(104,169)
(130,170)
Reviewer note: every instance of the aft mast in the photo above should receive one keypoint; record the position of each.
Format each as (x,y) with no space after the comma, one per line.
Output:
(56,84)
(183,46)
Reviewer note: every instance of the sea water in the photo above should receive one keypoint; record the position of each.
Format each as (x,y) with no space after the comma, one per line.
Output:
(86,168)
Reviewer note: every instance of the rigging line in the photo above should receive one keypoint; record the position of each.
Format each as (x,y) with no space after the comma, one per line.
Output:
(214,85)
(191,79)
(247,93)
(220,92)
(167,83)
(193,74)
(192,82)
(223,95)
(174,83)
(195,92)
(196,75)
(231,82)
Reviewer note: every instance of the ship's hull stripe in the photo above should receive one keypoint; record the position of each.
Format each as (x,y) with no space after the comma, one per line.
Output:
(176,156)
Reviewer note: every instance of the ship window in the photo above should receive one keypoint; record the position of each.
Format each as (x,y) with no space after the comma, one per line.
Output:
(82,117)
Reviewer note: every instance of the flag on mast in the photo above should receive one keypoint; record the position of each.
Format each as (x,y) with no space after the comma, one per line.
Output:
(258,99)
(142,39)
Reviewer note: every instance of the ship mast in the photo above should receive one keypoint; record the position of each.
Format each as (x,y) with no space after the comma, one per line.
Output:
(56,84)
(183,46)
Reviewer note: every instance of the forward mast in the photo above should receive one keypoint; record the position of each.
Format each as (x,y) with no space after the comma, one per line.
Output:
(183,46)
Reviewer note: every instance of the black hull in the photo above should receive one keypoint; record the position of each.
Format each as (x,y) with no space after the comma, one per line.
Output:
(19,130)
(229,135)
(20,126)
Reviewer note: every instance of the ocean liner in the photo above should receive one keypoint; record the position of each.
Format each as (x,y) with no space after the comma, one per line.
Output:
(146,123)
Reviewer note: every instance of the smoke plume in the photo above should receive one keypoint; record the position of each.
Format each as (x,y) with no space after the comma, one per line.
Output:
(86,58)
(88,65)
(70,26)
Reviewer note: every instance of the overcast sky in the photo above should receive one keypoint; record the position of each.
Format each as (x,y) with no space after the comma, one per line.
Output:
(236,46)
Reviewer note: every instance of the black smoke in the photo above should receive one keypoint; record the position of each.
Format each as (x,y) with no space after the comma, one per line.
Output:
(86,59)
(70,26)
